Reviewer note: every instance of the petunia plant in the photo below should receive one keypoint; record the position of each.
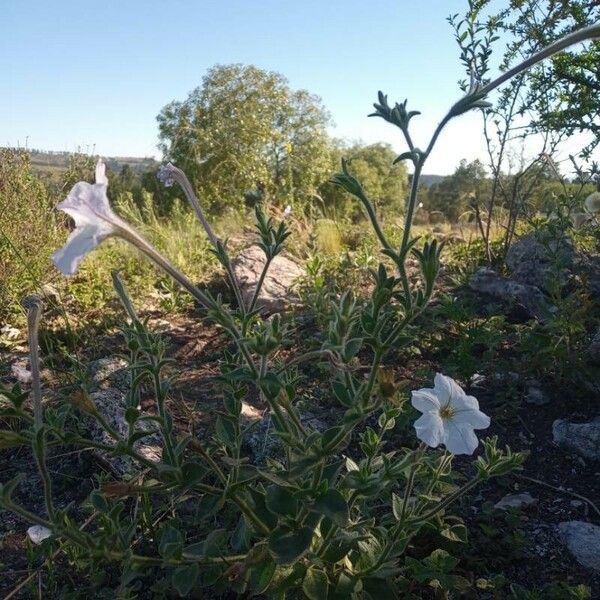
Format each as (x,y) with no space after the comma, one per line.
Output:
(338,512)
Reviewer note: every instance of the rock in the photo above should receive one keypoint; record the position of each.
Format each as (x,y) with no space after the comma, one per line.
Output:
(276,291)
(110,403)
(541,260)
(251,413)
(110,372)
(530,298)
(262,442)
(583,438)
(536,396)
(9,333)
(516,501)
(588,268)
(50,294)
(583,541)
(21,374)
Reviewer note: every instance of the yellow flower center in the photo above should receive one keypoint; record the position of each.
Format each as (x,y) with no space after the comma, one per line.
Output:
(447,412)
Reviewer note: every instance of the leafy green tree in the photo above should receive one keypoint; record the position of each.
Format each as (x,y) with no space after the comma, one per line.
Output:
(386,184)
(244,134)
(455,194)
(566,93)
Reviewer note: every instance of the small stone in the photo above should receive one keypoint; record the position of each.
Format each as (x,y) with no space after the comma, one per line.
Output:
(9,333)
(21,374)
(38,533)
(251,413)
(522,500)
(582,438)
(583,541)
(536,396)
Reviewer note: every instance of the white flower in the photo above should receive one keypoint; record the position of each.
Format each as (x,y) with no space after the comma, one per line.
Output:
(94,220)
(287,212)
(38,533)
(449,416)
(592,202)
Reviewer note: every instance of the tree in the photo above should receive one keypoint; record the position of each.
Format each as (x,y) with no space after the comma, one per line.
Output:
(386,184)
(245,134)
(454,195)
(566,93)
(544,105)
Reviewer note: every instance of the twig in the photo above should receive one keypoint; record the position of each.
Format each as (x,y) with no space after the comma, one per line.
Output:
(559,490)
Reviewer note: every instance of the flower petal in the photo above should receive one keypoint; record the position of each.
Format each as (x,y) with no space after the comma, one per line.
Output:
(87,203)
(101,173)
(461,401)
(425,400)
(460,439)
(473,418)
(430,429)
(80,243)
(446,388)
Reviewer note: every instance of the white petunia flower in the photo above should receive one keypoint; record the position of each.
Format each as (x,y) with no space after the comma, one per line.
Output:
(38,533)
(94,220)
(449,416)
(287,211)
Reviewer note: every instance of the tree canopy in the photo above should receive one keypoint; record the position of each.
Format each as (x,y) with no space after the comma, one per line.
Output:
(244,134)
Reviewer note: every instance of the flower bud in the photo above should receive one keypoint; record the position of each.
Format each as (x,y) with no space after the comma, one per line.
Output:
(81,399)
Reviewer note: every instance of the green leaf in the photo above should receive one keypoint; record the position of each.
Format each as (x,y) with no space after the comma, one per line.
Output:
(99,502)
(352,347)
(262,575)
(171,541)
(184,579)
(215,542)
(281,501)
(315,584)
(456,533)
(192,472)
(225,431)
(288,545)
(397,506)
(380,589)
(333,505)
(271,385)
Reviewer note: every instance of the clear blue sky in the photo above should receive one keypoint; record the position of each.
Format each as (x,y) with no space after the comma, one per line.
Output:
(82,73)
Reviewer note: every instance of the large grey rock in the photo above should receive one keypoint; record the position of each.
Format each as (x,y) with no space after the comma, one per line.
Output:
(541,260)
(530,298)
(276,292)
(583,438)
(111,404)
(587,267)
(110,372)
(583,541)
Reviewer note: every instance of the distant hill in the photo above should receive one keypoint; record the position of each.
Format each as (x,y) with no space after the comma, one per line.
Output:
(429,180)
(54,162)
